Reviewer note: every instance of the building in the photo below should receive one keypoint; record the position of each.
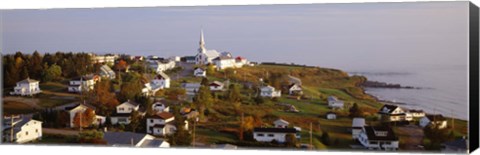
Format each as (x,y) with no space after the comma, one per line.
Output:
(27,87)
(160,81)
(199,72)
(123,112)
(189,59)
(378,138)
(134,140)
(162,123)
(437,121)
(269,91)
(226,60)
(24,129)
(81,108)
(334,102)
(191,88)
(204,56)
(158,66)
(357,126)
(393,113)
(174,58)
(216,86)
(416,113)
(160,107)
(295,89)
(456,146)
(189,113)
(331,115)
(107,72)
(270,134)
(107,59)
(280,123)
(83,83)
(294,80)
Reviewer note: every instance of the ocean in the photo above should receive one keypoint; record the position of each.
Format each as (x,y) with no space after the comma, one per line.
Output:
(442,89)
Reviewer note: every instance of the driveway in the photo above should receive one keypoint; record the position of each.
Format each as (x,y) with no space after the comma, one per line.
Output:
(65,132)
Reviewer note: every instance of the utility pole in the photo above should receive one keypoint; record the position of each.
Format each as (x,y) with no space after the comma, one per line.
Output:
(311,140)
(11,128)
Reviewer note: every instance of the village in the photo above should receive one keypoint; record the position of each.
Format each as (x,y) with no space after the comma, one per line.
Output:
(209,100)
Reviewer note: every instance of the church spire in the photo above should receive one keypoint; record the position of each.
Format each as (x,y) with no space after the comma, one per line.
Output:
(202,43)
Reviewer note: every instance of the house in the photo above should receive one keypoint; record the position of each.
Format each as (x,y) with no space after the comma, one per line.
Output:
(216,86)
(204,56)
(160,107)
(270,134)
(269,91)
(162,124)
(24,129)
(331,115)
(174,58)
(437,121)
(416,113)
(280,123)
(189,113)
(103,58)
(378,138)
(134,140)
(80,108)
(123,112)
(334,102)
(137,58)
(160,81)
(191,88)
(199,72)
(189,59)
(27,87)
(456,146)
(392,113)
(357,126)
(158,66)
(107,72)
(294,80)
(295,89)
(83,83)
(225,60)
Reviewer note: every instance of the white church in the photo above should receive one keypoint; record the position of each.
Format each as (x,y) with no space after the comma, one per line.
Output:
(220,60)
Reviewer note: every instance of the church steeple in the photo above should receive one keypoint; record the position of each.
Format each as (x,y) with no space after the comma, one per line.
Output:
(202,43)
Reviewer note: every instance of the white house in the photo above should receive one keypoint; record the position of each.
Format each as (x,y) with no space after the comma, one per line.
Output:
(280,123)
(295,89)
(27,87)
(162,124)
(227,61)
(174,58)
(334,102)
(199,72)
(191,88)
(103,58)
(123,112)
(378,138)
(24,129)
(134,140)
(270,134)
(216,86)
(393,113)
(161,81)
(72,111)
(205,56)
(357,126)
(86,83)
(160,107)
(158,66)
(107,72)
(437,121)
(416,113)
(269,91)
(331,115)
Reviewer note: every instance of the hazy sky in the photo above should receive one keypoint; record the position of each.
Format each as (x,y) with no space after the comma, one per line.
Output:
(346,36)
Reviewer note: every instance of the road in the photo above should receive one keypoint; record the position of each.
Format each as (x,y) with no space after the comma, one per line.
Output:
(65,132)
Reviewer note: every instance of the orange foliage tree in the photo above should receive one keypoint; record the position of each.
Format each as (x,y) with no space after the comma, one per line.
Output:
(104,98)
(85,118)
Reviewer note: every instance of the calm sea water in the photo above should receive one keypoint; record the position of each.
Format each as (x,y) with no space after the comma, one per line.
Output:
(443,89)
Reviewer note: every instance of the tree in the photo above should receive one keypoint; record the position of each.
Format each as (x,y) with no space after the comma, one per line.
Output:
(53,72)
(135,120)
(325,138)
(62,119)
(205,82)
(131,86)
(181,137)
(91,137)
(355,111)
(174,93)
(121,65)
(291,140)
(203,99)
(85,119)
(103,97)
(233,93)
(246,126)
(210,70)
(35,66)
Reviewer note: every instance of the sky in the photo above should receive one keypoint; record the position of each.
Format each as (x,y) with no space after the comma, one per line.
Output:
(378,36)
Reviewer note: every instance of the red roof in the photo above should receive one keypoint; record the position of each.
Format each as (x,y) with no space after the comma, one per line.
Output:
(240,58)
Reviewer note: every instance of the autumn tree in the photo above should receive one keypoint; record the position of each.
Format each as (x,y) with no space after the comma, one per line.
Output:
(135,120)
(325,138)
(85,118)
(103,97)
(121,65)
(291,140)
(233,94)
(355,111)
(35,66)
(246,125)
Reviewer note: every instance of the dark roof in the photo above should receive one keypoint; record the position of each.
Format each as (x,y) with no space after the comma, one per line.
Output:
(331,112)
(120,115)
(459,144)
(390,108)
(436,117)
(162,115)
(122,138)
(276,130)
(380,133)
(415,111)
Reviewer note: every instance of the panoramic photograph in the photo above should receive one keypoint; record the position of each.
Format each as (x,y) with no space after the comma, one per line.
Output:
(379,77)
